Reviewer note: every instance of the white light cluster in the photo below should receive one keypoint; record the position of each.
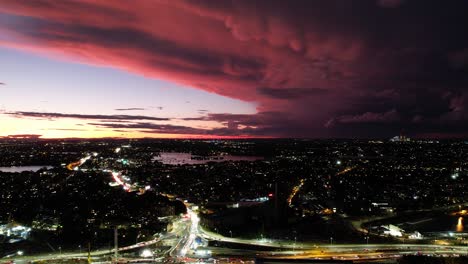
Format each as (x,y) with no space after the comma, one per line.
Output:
(146,253)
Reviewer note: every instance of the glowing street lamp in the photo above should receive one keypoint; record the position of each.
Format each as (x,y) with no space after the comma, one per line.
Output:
(146,253)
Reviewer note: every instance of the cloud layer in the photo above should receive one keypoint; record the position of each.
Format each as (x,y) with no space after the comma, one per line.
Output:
(316,68)
(47,115)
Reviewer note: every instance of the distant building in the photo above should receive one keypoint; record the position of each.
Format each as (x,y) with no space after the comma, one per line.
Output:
(382,207)
(45,222)
(15,232)
(392,230)
(400,138)
(415,235)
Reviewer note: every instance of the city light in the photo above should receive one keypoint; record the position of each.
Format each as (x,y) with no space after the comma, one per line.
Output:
(203,252)
(146,253)
(460,226)
(311,186)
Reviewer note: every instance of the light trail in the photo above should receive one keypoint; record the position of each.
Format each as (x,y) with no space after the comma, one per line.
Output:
(460,225)
(295,190)
(75,165)
(193,233)
(346,170)
(117,178)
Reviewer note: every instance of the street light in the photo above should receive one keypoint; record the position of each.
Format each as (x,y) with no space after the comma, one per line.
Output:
(294,246)
(60,250)
(20,253)
(367,240)
(79,246)
(331,240)
(230,233)
(146,253)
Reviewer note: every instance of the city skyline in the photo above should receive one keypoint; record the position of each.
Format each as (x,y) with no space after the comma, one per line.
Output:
(233,69)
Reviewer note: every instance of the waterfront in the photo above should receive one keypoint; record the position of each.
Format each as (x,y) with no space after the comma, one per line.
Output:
(442,223)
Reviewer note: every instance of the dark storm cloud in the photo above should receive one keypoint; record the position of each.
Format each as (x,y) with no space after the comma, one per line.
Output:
(47,115)
(260,124)
(151,127)
(390,3)
(380,65)
(2,83)
(290,93)
(368,117)
(459,59)
(257,125)
(447,117)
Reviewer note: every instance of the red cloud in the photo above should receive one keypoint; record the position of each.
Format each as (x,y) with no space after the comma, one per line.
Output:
(226,50)
(308,60)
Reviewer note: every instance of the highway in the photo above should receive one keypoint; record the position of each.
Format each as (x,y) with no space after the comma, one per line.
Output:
(190,231)
(303,250)
(187,229)
(291,250)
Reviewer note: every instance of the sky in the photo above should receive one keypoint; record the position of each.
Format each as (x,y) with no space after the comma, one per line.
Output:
(222,69)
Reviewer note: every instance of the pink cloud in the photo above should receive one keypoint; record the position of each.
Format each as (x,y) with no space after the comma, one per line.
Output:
(308,61)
